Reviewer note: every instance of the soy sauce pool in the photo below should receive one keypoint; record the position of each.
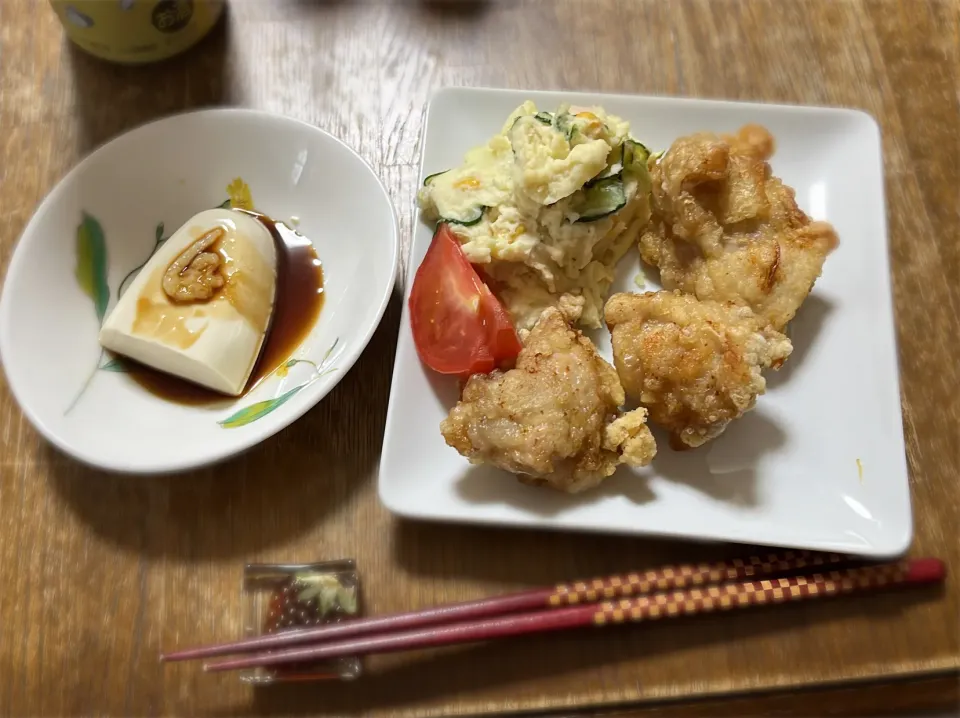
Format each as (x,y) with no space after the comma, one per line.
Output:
(296,309)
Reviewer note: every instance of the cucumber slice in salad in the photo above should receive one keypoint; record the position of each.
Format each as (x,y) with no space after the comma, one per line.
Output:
(614,170)
(601,199)
(635,155)
(635,158)
(564,124)
(430,178)
(469,218)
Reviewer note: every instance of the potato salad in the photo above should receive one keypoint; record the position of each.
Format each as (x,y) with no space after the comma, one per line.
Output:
(547,208)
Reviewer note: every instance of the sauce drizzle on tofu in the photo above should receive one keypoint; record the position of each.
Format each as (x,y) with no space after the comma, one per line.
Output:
(299,299)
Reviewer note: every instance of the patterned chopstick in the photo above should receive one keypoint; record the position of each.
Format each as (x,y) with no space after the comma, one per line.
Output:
(671,604)
(635,583)
(671,577)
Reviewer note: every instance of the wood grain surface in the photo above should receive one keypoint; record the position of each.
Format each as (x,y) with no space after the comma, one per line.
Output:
(936,696)
(99,572)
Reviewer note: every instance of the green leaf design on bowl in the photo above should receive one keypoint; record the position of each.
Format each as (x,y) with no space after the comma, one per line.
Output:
(116,365)
(253,412)
(91,270)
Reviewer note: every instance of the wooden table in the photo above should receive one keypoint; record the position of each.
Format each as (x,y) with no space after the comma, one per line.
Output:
(100,572)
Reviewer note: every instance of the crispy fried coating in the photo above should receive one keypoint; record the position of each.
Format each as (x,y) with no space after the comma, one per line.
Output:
(694,365)
(724,228)
(553,420)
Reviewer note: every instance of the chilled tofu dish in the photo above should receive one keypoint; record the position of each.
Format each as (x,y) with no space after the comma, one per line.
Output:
(529,231)
(547,208)
(201,306)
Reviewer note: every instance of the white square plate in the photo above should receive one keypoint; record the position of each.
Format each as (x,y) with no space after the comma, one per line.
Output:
(818,464)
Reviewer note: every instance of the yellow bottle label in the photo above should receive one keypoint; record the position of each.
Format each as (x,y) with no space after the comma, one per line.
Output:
(136,31)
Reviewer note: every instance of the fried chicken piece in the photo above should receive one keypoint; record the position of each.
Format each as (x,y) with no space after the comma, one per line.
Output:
(553,420)
(695,365)
(724,228)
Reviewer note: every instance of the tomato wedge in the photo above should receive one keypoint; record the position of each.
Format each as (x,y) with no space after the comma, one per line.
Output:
(459,326)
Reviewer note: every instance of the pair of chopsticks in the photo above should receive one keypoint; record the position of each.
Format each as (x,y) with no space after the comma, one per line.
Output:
(642,596)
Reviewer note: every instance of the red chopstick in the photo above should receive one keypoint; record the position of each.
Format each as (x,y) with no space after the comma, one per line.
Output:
(631,584)
(661,605)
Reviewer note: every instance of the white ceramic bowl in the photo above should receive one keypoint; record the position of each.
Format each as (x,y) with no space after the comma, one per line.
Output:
(167,171)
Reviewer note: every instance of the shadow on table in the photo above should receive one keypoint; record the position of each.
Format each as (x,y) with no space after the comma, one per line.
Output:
(511,558)
(114,98)
(452,9)
(277,491)
(511,665)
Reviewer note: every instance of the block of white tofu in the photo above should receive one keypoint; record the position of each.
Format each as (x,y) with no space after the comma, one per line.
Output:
(201,306)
